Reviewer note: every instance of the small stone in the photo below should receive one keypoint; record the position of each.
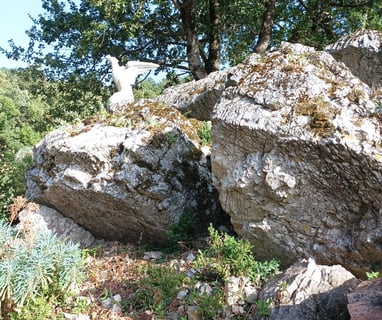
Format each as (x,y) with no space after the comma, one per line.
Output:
(197,285)
(191,273)
(117,298)
(251,294)
(235,289)
(173,316)
(69,316)
(176,265)
(223,228)
(182,309)
(232,284)
(152,255)
(107,303)
(116,308)
(252,298)
(182,294)
(205,288)
(192,313)
(236,309)
(190,257)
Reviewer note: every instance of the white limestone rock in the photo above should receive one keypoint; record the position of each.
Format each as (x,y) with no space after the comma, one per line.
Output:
(297,159)
(45,218)
(128,177)
(362,53)
(196,99)
(309,291)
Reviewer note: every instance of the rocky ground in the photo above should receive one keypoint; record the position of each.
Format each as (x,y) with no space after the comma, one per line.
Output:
(115,286)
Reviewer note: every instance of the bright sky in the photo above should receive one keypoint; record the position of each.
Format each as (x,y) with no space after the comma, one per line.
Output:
(14,21)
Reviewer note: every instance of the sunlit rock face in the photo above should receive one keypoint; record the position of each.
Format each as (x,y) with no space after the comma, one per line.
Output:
(297,159)
(196,99)
(126,177)
(308,291)
(362,54)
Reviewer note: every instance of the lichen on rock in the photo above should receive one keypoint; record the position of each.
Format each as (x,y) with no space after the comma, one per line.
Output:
(125,177)
(296,159)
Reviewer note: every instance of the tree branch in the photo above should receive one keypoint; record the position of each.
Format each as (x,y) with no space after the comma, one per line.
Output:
(303,4)
(351,5)
(266,29)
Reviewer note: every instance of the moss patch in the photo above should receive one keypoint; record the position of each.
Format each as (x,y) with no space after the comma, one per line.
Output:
(321,114)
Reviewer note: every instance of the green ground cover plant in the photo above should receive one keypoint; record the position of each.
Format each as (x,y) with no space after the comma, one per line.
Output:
(35,267)
(184,230)
(204,133)
(156,288)
(227,256)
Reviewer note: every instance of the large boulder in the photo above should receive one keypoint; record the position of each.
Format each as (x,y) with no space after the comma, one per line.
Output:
(126,177)
(42,218)
(297,159)
(196,99)
(362,53)
(308,291)
(365,302)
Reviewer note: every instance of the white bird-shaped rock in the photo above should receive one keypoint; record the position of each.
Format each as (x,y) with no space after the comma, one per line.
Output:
(124,77)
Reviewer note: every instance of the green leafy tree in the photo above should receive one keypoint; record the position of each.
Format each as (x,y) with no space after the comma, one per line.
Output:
(67,99)
(148,89)
(22,124)
(320,22)
(72,38)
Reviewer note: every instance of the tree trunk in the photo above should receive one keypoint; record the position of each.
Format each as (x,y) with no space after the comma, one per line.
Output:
(213,61)
(187,9)
(266,29)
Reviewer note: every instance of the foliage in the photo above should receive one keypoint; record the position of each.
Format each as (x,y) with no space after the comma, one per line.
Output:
(148,89)
(65,100)
(44,307)
(21,115)
(156,289)
(318,23)
(184,229)
(204,133)
(12,171)
(35,265)
(208,305)
(263,307)
(72,38)
(181,231)
(373,275)
(40,308)
(22,124)
(227,256)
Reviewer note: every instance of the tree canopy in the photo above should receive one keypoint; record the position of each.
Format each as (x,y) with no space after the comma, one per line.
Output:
(71,37)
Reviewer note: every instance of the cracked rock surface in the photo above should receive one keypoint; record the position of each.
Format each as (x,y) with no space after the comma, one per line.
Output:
(362,54)
(128,177)
(297,159)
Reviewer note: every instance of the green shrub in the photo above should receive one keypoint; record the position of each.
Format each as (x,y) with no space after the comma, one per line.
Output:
(372,275)
(263,307)
(227,256)
(156,289)
(35,265)
(40,308)
(147,89)
(182,231)
(208,305)
(204,133)
(12,179)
